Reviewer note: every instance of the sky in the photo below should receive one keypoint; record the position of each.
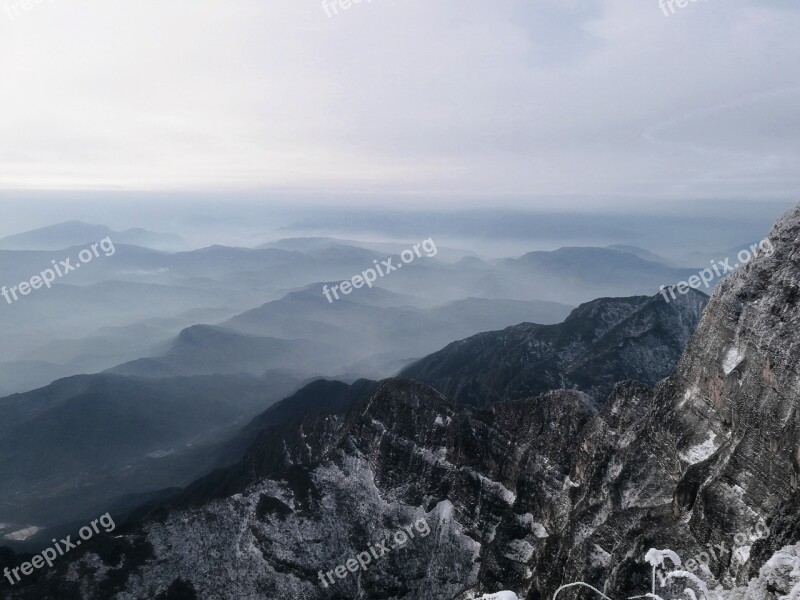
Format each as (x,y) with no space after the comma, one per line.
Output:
(450,99)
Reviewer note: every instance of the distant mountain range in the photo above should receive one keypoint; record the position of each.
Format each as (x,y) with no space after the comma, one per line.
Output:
(308,244)
(644,254)
(571,272)
(138,284)
(97,350)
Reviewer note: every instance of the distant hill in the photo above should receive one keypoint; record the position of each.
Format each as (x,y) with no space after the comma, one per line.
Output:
(78,233)
(100,350)
(578,274)
(599,265)
(204,349)
(307,244)
(642,253)
(319,243)
(369,327)
(23,375)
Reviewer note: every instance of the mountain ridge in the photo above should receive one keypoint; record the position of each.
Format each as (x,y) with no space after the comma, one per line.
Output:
(599,343)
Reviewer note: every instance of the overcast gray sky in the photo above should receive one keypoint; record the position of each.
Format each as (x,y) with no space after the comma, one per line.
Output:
(450,97)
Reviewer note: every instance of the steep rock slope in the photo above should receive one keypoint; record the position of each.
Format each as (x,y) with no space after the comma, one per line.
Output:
(403,456)
(601,342)
(714,461)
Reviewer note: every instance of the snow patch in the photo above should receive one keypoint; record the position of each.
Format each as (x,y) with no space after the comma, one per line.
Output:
(445,510)
(519,551)
(507,495)
(435,458)
(779,577)
(733,359)
(741,555)
(23,534)
(700,452)
(536,528)
(689,394)
(539,531)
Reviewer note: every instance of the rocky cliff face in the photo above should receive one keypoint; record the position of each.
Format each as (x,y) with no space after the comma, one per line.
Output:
(601,342)
(524,495)
(712,464)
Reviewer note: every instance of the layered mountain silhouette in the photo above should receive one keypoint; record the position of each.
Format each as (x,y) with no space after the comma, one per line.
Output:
(572,271)
(369,334)
(135,285)
(523,495)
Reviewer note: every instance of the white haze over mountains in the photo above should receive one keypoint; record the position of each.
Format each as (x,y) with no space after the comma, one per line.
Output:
(672,229)
(258,270)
